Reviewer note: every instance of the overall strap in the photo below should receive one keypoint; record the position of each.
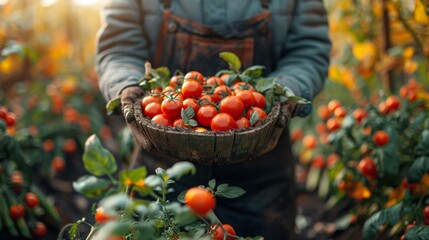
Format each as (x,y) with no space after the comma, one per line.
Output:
(265,3)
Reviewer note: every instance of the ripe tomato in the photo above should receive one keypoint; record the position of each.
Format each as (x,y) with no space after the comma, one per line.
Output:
(242,122)
(39,230)
(192,89)
(340,112)
(205,99)
(176,81)
(58,164)
(232,105)
(149,99)
(393,103)
(239,86)
(309,141)
(194,75)
(261,113)
(205,115)
(215,81)
(190,102)
(223,122)
(179,123)
(323,112)
(16,211)
(3,112)
(296,134)
(10,119)
(426,212)
(200,200)
(200,129)
(333,104)
(219,233)
(318,161)
(260,101)
(409,226)
(382,108)
(101,216)
(359,114)
(31,200)
(172,107)
(333,124)
(380,138)
(48,145)
(246,97)
(70,146)
(16,180)
(162,119)
(168,90)
(367,167)
(152,109)
(220,92)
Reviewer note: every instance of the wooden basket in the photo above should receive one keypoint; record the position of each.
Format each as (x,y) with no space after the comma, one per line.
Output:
(213,147)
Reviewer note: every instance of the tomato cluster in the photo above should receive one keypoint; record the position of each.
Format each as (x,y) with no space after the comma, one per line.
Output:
(9,118)
(205,104)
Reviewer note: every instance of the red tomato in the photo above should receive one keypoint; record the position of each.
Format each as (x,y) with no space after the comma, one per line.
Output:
(39,230)
(232,105)
(3,112)
(149,99)
(16,180)
(239,86)
(162,119)
(246,97)
(426,212)
(194,75)
(261,113)
(58,164)
(221,92)
(16,211)
(359,114)
(323,112)
(380,138)
(219,233)
(10,119)
(101,216)
(367,167)
(205,115)
(318,161)
(190,102)
(340,112)
(260,101)
(152,109)
(172,107)
(393,103)
(179,123)
(333,124)
(200,200)
(176,81)
(333,104)
(157,90)
(192,89)
(205,99)
(31,200)
(215,81)
(242,122)
(223,122)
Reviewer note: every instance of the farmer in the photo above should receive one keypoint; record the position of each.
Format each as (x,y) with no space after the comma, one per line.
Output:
(289,37)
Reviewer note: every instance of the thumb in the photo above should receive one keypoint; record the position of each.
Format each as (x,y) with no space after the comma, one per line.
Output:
(128,97)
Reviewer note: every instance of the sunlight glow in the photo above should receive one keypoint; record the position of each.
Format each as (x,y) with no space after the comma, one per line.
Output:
(47,3)
(3,2)
(85,2)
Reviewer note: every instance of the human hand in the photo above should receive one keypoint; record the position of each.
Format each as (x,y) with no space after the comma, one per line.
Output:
(128,97)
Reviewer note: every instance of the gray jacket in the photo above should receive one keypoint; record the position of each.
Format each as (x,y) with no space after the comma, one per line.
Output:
(130,30)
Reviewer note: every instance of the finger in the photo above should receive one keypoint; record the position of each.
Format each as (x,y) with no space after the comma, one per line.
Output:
(128,111)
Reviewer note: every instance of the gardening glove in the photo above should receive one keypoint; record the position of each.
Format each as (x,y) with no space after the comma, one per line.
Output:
(129,96)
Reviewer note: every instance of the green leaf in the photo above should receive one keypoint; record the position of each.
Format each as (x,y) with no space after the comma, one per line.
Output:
(232,60)
(134,175)
(224,190)
(388,163)
(254,118)
(298,100)
(422,147)
(179,169)
(13,47)
(264,84)
(74,228)
(98,160)
(418,168)
(112,105)
(212,184)
(187,114)
(153,181)
(91,186)
(116,201)
(388,216)
(420,232)
(223,71)
(112,228)
(185,217)
(254,71)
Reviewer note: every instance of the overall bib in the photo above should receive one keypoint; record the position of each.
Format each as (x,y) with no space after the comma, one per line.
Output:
(268,207)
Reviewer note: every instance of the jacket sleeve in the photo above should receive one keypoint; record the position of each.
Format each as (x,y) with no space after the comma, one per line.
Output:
(121,47)
(304,59)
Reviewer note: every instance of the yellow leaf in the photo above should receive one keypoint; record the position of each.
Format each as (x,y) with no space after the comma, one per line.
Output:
(408,52)
(420,14)
(364,51)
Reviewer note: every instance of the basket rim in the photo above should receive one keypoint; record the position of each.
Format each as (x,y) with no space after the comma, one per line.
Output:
(273,115)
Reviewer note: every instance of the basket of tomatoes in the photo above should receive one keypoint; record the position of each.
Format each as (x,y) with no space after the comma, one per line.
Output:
(221,119)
